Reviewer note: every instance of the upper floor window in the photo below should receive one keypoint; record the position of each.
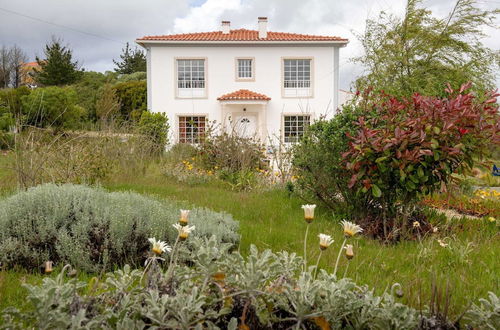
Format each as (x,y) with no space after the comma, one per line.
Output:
(192,129)
(244,69)
(191,80)
(294,127)
(297,77)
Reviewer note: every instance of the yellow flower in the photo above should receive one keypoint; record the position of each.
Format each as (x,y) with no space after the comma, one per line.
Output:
(491,219)
(350,229)
(309,212)
(416,224)
(349,252)
(324,241)
(184,217)
(159,246)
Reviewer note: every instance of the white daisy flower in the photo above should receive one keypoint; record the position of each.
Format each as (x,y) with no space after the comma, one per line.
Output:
(324,241)
(350,228)
(159,246)
(184,231)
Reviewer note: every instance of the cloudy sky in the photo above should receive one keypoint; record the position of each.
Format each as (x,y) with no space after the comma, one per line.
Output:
(97,29)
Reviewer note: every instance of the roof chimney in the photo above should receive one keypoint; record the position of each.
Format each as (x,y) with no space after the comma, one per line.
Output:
(262,27)
(225,27)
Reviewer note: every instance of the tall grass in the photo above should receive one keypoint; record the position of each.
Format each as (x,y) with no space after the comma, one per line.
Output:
(272,219)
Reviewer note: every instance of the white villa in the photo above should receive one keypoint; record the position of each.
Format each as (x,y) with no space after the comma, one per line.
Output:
(257,83)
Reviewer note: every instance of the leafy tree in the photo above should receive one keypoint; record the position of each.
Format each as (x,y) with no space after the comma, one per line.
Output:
(155,126)
(133,97)
(90,88)
(132,60)
(58,67)
(54,107)
(107,105)
(422,53)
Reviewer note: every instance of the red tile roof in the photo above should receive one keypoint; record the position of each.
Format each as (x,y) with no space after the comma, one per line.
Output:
(32,64)
(243,94)
(241,35)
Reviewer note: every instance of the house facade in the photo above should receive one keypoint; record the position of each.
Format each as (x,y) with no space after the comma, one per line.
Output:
(255,83)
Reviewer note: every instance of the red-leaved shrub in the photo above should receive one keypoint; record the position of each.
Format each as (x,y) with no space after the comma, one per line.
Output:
(409,147)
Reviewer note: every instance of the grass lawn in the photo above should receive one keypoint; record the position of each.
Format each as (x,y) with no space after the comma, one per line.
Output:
(272,219)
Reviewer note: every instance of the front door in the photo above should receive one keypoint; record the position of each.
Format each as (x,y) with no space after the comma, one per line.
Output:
(245,125)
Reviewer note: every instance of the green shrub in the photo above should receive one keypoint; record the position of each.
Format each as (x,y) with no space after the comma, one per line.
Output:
(222,290)
(92,229)
(54,107)
(132,96)
(230,152)
(136,76)
(317,162)
(155,127)
(10,99)
(6,141)
(90,88)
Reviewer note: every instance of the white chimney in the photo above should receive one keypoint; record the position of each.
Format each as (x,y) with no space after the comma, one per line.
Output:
(225,27)
(262,27)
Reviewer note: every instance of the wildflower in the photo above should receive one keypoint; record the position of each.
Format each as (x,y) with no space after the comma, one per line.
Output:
(184,231)
(309,212)
(48,267)
(435,229)
(350,229)
(349,252)
(324,241)
(219,277)
(491,219)
(416,224)
(184,217)
(442,243)
(159,246)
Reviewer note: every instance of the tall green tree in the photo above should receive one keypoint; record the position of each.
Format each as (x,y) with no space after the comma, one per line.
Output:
(58,67)
(131,60)
(422,53)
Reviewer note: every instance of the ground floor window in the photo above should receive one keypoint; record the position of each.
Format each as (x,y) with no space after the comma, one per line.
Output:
(192,129)
(294,127)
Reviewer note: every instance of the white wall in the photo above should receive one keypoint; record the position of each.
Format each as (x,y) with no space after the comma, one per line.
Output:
(220,77)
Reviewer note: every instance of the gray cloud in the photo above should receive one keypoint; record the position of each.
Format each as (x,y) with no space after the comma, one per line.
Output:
(119,21)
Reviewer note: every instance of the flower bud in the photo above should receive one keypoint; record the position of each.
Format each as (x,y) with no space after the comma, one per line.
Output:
(349,252)
(48,267)
(183,220)
(308,212)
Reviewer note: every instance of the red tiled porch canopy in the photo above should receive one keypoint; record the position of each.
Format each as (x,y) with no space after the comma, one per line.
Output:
(243,94)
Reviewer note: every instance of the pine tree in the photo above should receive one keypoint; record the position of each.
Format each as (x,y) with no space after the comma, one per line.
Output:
(58,67)
(132,60)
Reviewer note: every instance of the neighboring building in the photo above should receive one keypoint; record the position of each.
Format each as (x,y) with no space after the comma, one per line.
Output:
(253,82)
(27,72)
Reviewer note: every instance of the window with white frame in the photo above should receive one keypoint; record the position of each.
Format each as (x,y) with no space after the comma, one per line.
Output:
(191,77)
(294,127)
(244,70)
(192,129)
(297,77)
